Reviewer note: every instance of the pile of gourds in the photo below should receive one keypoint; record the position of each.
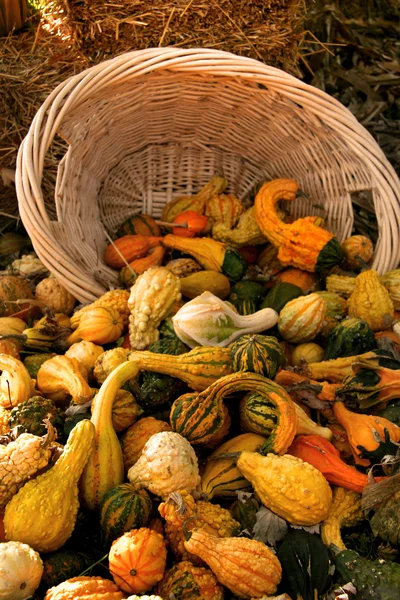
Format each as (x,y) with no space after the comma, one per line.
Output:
(208,429)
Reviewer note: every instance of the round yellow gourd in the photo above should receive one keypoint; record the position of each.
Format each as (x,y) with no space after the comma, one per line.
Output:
(309,351)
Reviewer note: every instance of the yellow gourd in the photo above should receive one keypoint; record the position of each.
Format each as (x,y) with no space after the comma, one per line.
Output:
(63,374)
(105,467)
(371,302)
(43,513)
(345,511)
(290,487)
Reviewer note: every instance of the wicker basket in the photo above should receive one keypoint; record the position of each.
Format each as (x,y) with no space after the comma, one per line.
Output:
(150,125)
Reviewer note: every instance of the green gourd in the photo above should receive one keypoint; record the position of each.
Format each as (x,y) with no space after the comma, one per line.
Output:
(349,338)
(258,354)
(122,508)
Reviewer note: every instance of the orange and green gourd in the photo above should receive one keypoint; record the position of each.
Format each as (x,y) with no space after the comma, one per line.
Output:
(301,244)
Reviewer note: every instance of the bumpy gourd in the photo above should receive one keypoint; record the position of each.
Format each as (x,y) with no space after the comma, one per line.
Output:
(345,511)
(230,558)
(86,588)
(209,321)
(135,438)
(301,244)
(107,362)
(289,487)
(202,417)
(391,281)
(167,463)
(246,233)
(21,459)
(151,299)
(225,209)
(105,468)
(179,506)
(16,385)
(43,513)
(60,374)
(371,302)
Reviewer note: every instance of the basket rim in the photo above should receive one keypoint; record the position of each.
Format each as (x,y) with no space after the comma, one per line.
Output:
(203,61)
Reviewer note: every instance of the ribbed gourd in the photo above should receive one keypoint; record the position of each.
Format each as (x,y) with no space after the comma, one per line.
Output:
(289,487)
(302,319)
(43,513)
(336,310)
(122,508)
(258,354)
(202,418)
(220,477)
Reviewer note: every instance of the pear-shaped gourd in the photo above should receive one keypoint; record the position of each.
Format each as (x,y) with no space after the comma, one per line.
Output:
(209,321)
(43,513)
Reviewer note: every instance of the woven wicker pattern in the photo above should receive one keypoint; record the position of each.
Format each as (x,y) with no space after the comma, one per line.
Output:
(150,125)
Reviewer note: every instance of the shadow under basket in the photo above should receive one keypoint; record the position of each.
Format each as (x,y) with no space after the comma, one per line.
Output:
(151,125)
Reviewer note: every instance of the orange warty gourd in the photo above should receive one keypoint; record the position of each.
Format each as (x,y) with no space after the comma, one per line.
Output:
(301,244)
(137,560)
(230,559)
(85,588)
(131,247)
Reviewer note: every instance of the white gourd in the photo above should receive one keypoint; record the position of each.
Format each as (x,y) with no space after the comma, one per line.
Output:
(21,570)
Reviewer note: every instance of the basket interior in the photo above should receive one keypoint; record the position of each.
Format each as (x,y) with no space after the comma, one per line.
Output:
(137,144)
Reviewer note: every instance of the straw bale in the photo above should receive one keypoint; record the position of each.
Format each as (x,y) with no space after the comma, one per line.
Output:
(268,30)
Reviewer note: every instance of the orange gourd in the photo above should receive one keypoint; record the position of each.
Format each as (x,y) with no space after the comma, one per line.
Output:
(100,325)
(153,259)
(303,279)
(364,431)
(85,588)
(320,453)
(131,247)
(301,244)
(137,560)
(195,224)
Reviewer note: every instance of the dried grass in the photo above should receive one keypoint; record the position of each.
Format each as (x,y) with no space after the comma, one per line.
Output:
(268,30)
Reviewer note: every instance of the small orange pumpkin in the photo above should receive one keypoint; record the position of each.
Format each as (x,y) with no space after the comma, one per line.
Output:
(303,279)
(195,224)
(100,325)
(357,246)
(137,560)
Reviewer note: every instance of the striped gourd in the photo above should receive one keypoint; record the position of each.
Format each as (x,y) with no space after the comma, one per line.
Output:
(258,354)
(140,224)
(122,508)
(202,418)
(302,318)
(221,477)
(257,414)
(199,368)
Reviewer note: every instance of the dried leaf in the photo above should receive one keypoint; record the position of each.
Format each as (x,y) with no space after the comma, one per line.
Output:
(77,409)
(310,529)
(269,528)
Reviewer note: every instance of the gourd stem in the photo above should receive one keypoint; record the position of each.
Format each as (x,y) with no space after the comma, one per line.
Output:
(93,565)
(233,455)
(187,534)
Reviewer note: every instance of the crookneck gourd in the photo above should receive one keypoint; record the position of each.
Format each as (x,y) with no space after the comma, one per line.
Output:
(43,513)
(199,368)
(301,244)
(204,419)
(105,467)
(345,511)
